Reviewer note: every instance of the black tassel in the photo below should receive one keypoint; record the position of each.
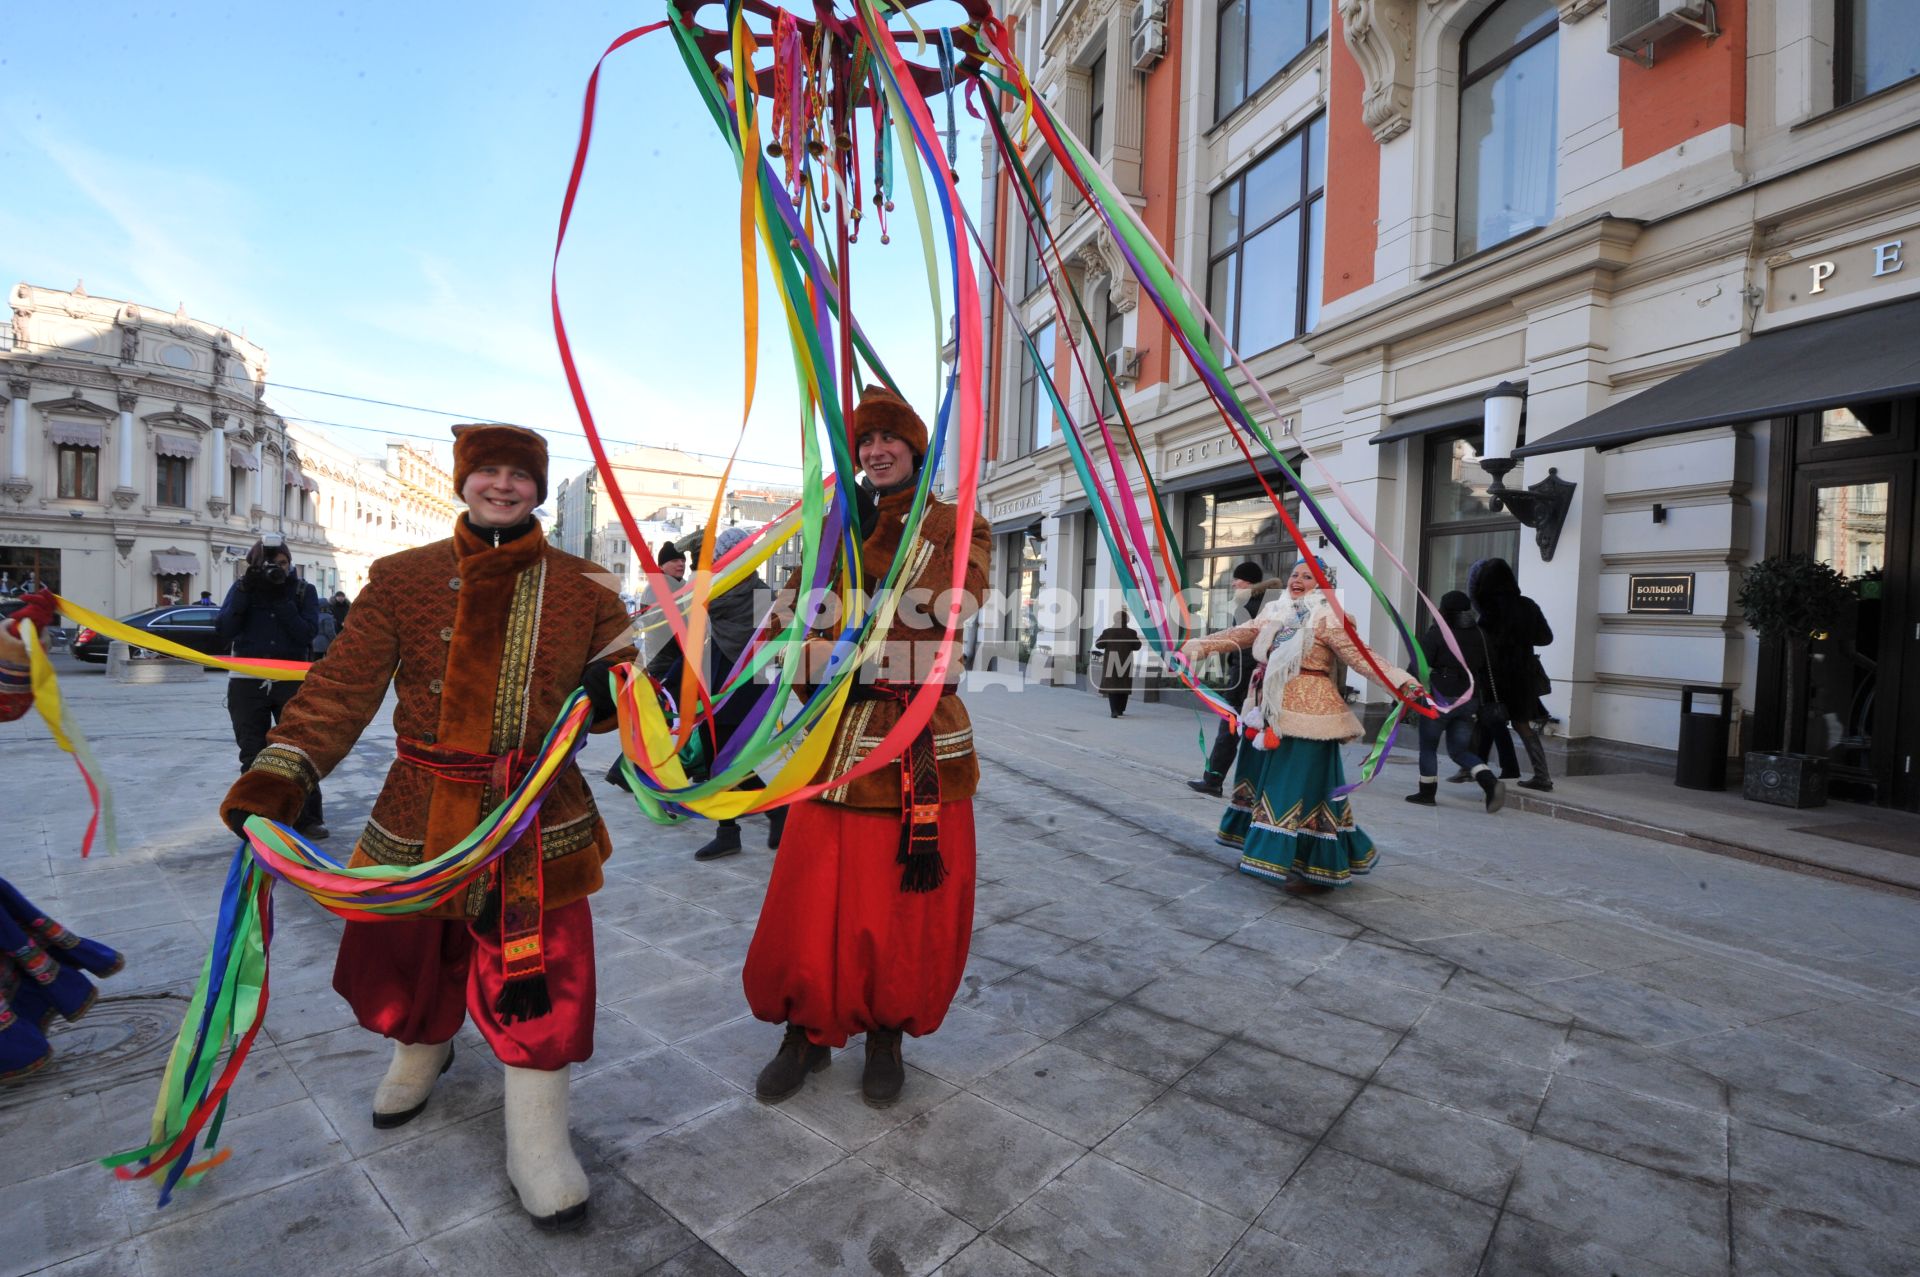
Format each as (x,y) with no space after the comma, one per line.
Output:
(922,869)
(525,998)
(925,871)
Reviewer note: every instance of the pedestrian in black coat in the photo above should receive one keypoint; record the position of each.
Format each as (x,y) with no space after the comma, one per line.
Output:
(1114,653)
(1451,677)
(1251,586)
(1514,627)
(271,613)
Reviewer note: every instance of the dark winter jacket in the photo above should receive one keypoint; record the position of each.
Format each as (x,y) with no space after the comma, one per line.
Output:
(1514,626)
(1449,674)
(278,622)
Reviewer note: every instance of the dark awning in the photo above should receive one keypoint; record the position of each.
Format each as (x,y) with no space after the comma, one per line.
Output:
(1470,411)
(1853,358)
(1020,522)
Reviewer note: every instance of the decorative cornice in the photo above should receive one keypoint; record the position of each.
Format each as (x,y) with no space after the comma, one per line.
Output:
(75,404)
(1380,35)
(176,416)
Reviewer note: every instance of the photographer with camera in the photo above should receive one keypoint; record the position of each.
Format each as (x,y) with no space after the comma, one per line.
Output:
(270,613)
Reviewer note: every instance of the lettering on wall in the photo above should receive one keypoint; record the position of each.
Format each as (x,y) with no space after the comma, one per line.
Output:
(1662,593)
(1836,272)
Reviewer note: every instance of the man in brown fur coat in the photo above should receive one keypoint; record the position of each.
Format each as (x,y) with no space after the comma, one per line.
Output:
(870,909)
(484,636)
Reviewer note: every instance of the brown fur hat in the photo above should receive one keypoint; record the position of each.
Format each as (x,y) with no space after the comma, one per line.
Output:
(881,409)
(490,445)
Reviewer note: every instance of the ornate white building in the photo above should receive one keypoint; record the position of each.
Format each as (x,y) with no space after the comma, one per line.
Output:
(1678,248)
(142,462)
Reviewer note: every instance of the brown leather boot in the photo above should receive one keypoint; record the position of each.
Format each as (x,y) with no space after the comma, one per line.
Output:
(787,1071)
(885,1073)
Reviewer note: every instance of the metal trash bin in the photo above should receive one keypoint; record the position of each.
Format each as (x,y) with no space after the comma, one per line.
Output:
(1703,739)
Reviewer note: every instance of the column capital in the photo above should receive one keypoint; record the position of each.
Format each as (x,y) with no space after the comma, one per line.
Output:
(19,387)
(128,400)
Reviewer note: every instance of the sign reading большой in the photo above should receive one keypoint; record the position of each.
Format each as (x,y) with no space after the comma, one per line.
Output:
(1669,592)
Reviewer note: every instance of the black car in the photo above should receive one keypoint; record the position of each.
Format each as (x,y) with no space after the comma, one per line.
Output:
(188,625)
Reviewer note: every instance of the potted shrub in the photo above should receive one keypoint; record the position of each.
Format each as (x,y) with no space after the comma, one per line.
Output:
(1786,598)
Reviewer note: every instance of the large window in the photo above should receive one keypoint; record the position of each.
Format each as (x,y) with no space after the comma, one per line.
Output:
(1268,224)
(1036,271)
(1458,521)
(1509,112)
(79,472)
(1876,44)
(27,568)
(1223,530)
(1256,41)
(170,481)
(1036,409)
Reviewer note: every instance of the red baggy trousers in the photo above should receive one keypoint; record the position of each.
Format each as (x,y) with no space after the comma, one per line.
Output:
(417,980)
(839,948)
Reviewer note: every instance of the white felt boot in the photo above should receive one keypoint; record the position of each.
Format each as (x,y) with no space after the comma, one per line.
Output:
(409,1081)
(540,1161)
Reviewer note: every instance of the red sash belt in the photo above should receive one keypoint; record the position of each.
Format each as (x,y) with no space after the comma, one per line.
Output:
(921,868)
(518,879)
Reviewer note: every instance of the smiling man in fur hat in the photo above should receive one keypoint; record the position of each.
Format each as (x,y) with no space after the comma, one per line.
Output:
(870,908)
(484,636)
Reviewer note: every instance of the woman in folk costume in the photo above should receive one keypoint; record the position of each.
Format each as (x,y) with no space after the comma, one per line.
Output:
(483,636)
(870,908)
(43,966)
(1285,818)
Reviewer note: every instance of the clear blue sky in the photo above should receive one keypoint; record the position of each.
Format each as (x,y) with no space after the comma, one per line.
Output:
(370,191)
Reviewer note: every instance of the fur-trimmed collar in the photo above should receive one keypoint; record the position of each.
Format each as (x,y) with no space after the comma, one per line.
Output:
(480,557)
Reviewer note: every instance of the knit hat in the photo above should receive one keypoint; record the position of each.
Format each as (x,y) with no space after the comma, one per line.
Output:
(1453,603)
(1250,572)
(729,537)
(881,409)
(493,445)
(668,553)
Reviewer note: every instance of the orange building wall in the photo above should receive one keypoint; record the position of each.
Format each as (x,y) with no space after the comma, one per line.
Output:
(1159,178)
(1694,86)
(1353,176)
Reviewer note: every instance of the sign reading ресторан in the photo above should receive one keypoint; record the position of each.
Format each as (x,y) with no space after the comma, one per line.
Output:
(1665,592)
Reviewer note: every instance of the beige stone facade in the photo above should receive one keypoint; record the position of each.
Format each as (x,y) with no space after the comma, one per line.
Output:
(142,461)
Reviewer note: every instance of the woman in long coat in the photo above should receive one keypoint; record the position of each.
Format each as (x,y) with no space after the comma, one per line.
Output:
(1285,818)
(870,909)
(1515,626)
(1114,652)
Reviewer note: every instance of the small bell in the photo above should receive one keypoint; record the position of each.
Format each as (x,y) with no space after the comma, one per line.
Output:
(885,238)
(844,141)
(816,148)
(889,206)
(776,150)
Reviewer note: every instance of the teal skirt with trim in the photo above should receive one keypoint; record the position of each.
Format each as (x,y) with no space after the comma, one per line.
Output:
(1248,764)
(1291,825)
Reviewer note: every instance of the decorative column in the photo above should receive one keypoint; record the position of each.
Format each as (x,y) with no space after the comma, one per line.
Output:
(124,441)
(219,465)
(259,476)
(19,388)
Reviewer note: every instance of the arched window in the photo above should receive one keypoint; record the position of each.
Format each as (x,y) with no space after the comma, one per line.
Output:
(1509,116)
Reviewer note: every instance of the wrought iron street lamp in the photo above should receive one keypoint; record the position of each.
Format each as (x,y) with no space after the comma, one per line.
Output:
(1541,506)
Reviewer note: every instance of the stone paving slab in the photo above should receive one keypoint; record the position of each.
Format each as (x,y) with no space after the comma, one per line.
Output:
(1520,1046)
